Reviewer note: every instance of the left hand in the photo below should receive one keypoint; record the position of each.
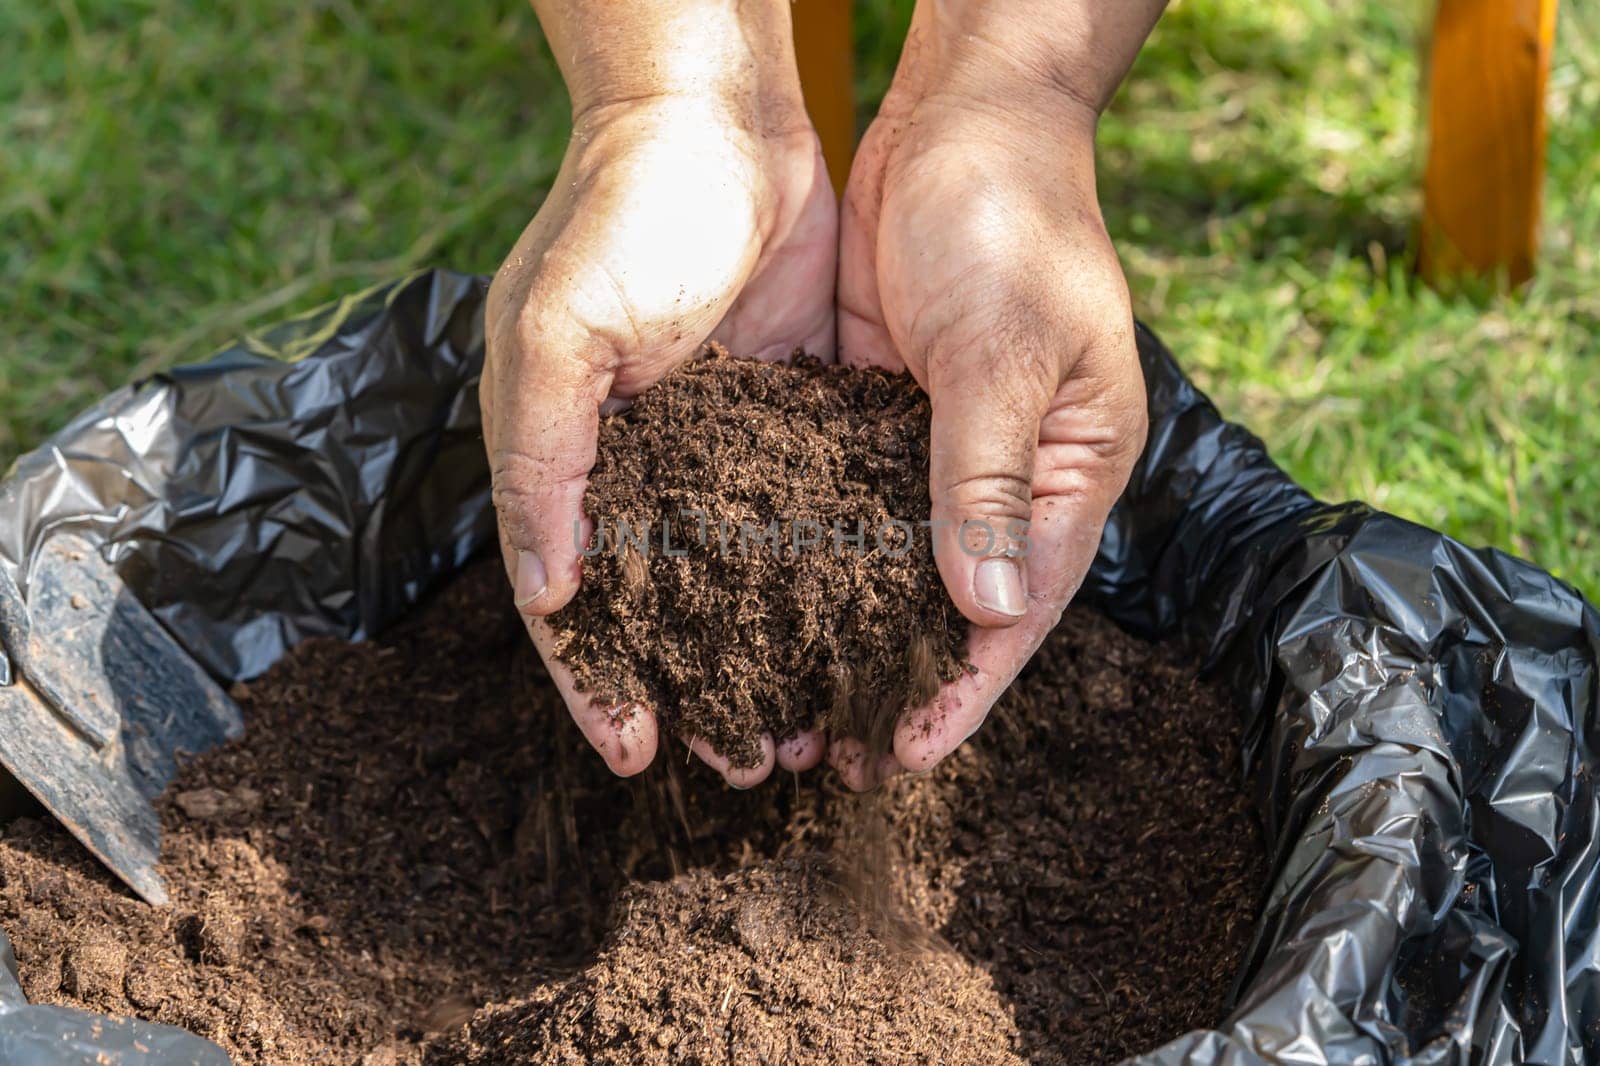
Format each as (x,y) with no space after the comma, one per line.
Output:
(973,254)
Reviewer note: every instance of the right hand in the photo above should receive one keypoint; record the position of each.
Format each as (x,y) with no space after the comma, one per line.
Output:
(676,218)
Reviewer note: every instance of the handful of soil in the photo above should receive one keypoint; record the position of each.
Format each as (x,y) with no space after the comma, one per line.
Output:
(759,562)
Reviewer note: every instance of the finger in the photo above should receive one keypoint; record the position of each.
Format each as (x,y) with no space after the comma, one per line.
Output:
(855,767)
(1063,545)
(740,777)
(541,418)
(927,734)
(987,407)
(802,751)
(1089,440)
(625,736)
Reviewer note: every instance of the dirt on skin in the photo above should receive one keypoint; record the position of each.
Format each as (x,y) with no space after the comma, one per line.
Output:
(412,856)
(757,561)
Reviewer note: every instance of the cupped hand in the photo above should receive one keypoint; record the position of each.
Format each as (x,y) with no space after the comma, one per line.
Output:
(973,255)
(675,219)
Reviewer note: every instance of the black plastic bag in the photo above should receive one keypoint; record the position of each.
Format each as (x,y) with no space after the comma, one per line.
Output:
(1416,714)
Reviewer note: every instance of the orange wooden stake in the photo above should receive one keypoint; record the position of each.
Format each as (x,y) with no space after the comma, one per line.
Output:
(1486,119)
(825,52)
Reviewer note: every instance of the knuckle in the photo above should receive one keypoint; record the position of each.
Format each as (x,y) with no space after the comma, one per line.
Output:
(535,496)
(1123,405)
(517,473)
(1130,426)
(1124,419)
(518,489)
(516,517)
(1008,495)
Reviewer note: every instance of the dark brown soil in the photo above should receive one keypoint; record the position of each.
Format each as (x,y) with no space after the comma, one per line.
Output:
(413,834)
(769,964)
(842,622)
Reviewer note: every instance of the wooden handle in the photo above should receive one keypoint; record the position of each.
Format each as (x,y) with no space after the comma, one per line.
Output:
(1486,143)
(824,50)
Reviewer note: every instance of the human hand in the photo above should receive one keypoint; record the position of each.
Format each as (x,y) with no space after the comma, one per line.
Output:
(681,214)
(973,255)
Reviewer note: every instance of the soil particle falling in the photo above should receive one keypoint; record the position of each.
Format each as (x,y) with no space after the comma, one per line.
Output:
(758,565)
(413,829)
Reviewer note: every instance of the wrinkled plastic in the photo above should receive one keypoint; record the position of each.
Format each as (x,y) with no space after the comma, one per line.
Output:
(61,1036)
(1417,719)
(1416,714)
(314,479)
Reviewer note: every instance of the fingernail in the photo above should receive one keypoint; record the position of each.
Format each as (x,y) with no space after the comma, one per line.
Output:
(531,581)
(998,587)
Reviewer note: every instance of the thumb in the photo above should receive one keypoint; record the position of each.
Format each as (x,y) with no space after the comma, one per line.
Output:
(541,402)
(986,413)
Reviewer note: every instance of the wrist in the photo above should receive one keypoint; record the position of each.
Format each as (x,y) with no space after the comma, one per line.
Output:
(734,57)
(1054,60)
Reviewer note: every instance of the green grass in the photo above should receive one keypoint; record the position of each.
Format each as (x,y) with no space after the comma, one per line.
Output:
(174,172)
(1260,172)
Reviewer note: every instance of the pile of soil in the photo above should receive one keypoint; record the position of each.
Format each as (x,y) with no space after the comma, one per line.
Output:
(839,620)
(413,857)
(781,968)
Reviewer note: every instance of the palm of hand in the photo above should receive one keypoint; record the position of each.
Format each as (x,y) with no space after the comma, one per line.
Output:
(665,229)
